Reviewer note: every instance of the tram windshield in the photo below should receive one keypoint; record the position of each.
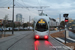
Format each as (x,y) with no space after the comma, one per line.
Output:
(41,25)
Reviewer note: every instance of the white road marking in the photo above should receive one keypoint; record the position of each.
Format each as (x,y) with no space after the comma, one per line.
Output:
(71,39)
(61,40)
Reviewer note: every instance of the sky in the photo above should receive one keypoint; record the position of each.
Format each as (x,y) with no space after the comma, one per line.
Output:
(53,8)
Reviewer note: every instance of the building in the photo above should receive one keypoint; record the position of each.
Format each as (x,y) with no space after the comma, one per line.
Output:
(71,24)
(18,18)
(53,22)
(17,23)
(1,21)
(6,22)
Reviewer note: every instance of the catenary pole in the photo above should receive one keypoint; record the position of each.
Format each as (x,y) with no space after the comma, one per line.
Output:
(13,19)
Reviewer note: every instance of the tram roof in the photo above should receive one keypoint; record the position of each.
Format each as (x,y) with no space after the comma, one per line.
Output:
(46,18)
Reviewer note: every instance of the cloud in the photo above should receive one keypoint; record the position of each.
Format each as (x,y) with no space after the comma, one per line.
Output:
(56,7)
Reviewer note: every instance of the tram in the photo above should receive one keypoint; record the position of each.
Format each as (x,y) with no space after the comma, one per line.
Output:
(41,27)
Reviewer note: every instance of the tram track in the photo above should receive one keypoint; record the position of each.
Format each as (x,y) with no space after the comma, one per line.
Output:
(10,38)
(47,44)
(17,41)
(25,36)
(52,46)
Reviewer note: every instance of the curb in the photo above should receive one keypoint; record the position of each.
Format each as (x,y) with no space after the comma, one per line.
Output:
(62,44)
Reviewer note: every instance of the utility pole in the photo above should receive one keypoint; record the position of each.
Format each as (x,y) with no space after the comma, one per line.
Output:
(29,22)
(23,20)
(13,19)
(56,24)
(59,21)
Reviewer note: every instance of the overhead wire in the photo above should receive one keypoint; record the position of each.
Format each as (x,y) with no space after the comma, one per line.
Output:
(5,4)
(26,8)
(21,4)
(24,4)
(1,2)
(11,3)
(38,3)
(16,4)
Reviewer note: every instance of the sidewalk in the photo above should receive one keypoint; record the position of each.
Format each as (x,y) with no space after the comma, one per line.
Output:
(59,36)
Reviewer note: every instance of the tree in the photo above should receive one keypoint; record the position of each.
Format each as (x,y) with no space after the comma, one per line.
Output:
(5,20)
(25,25)
(17,24)
(6,17)
(7,25)
(62,23)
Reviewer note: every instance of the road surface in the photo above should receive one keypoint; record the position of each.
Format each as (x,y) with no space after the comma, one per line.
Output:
(23,40)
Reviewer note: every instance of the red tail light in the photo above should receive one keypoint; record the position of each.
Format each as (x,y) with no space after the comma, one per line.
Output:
(46,37)
(37,37)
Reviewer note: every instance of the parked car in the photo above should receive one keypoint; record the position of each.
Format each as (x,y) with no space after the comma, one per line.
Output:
(21,28)
(16,28)
(9,28)
(4,28)
(25,28)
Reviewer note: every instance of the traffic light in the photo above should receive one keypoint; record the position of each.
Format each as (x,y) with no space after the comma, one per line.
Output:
(65,15)
(66,20)
(8,7)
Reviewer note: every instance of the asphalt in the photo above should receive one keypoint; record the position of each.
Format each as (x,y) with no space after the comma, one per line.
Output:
(23,40)
(71,34)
